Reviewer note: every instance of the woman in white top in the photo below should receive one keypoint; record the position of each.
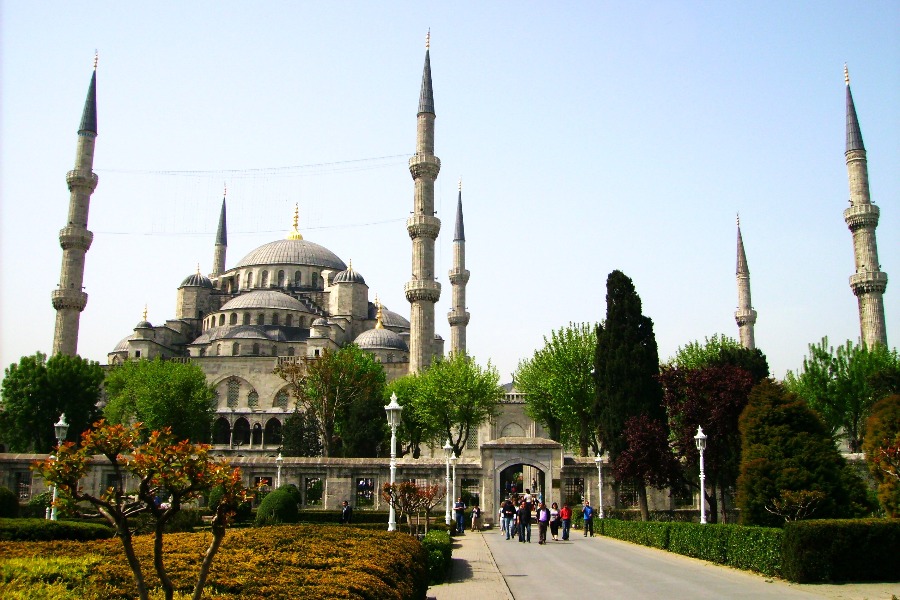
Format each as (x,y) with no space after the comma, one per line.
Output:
(554,520)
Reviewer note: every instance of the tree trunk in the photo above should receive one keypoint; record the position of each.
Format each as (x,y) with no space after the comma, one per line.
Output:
(642,501)
(218,531)
(713,516)
(167,586)
(723,506)
(125,535)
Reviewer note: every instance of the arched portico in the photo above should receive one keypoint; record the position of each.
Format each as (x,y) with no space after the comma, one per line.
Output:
(542,457)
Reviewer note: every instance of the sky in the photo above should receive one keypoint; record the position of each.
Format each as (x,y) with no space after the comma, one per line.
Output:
(588,137)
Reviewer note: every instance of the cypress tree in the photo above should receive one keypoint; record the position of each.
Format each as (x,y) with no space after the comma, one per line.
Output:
(626,366)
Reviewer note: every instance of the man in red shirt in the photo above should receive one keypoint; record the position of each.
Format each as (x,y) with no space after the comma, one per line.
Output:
(565,514)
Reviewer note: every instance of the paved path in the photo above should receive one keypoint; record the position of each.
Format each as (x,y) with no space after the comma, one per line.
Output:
(487,566)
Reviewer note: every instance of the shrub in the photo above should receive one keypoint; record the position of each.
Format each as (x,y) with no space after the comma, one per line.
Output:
(37,505)
(842,550)
(294,491)
(277,507)
(42,529)
(881,445)
(9,503)
(440,549)
(334,516)
(244,510)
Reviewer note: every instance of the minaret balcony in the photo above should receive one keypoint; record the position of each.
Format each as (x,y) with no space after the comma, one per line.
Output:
(426,226)
(422,290)
(458,317)
(459,276)
(868,281)
(75,237)
(78,178)
(424,166)
(861,215)
(68,298)
(745,316)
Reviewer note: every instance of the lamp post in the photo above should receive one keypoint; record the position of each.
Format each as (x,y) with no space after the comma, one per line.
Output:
(61,428)
(599,460)
(393,411)
(453,460)
(701,446)
(279,461)
(448,450)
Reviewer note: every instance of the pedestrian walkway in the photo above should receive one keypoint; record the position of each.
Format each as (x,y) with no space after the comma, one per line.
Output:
(474,574)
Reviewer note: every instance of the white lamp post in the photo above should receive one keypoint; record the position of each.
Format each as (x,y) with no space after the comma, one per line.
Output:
(393,411)
(599,460)
(279,461)
(448,450)
(701,446)
(453,459)
(61,428)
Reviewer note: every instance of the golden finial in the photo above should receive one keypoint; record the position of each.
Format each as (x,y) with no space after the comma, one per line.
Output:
(846,75)
(295,232)
(378,314)
(96,58)
(225,192)
(460,184)
(739,220)
(145,312)
(350,265)
(428,39)
(198,268)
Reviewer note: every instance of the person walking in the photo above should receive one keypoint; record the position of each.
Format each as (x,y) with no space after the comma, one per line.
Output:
(460,510)
(565,517)
(588,514)
(554,521)
(543,519)
(509,514)
(476,518)
(346,513)
(523,522)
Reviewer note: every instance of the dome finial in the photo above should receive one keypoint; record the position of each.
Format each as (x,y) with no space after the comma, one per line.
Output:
(739,219)
(846,74)
(198,268)
(225,189)
(379,315)
(428,39)
(145,312)
(460,183)
(295,232)
(96,58)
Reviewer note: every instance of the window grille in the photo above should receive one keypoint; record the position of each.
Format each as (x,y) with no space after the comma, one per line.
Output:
(253,399)
(234,389)
(574,491)
(365,492)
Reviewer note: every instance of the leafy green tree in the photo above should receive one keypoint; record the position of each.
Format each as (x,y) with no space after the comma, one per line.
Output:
(839,384)
(626,365)
(341,391)
(300,435)
(159,394)
(36,391)
(790,465)
(559,387)
(413,430)
(882,449)
(455,396)
(719,351)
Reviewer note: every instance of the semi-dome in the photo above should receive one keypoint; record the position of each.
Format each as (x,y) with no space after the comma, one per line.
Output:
(196,280)
(380,339)
(122,346)
(389,318)
(264,299)
(293,252)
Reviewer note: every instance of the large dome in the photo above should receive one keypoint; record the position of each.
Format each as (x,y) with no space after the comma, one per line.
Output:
(264,299)
(293,252)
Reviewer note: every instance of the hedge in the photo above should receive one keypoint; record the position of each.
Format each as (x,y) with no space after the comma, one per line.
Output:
(277,507)
(842,550)
(44,530)
(440,550)
(9,503)
(261,563)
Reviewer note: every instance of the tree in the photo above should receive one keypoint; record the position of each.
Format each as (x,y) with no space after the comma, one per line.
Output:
(159,394)
(882,449)
(300,435)
(839,384)
(626,365)
(456,395)
(647,456)
(790,466)
(712,397)
(340,390)
(36,391)
(162,466)
(558,385)
(413,431)
(719,351)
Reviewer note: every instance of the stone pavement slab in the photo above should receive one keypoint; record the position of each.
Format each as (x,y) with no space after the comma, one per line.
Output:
(474,574)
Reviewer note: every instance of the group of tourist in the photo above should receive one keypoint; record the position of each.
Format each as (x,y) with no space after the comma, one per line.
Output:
(517,514)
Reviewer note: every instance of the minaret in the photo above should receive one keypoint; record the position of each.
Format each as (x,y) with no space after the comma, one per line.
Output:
(459,276)
(744,315)
(869,281)
(69,299)
(221,242)
(422,290)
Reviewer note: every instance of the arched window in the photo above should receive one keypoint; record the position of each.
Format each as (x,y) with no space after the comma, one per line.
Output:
(235,349)
(202,351)
(289,320)
(297,278)
(246,318)
(390,357)
(281,400)
(273,432)
(241,435)
(232,320)
(315,280)
(260,319)
(218,349)
(264,280)
(255,349)
(221,320)
(249,280)
(234,390)
(253,399)
(274,350)
(257,434)
(290,351)
(274,318)
(513,430)
(221,431)
(281,279)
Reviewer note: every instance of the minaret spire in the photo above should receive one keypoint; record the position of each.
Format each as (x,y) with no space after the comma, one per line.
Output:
(422,291)
(459,277)
(69,298)
(221,240)
(868,282)
(745,316)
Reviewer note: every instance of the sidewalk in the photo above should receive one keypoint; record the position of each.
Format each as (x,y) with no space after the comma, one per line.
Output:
(474,574)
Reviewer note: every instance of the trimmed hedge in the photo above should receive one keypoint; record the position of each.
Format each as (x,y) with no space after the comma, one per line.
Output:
(440,555)
(277,507)
(334,516)
(9,503)
(44,530)
(842,550)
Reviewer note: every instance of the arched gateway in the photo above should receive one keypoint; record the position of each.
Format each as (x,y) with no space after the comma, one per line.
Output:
(503,459)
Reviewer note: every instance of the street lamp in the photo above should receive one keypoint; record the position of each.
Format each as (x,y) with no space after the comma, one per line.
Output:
(279,461)
(61,428)
(453,460)
(393,411)
(448,450)
(599,460)
(701,446)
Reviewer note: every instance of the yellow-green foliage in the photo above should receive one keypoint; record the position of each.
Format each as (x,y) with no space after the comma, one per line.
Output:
(55,577)
(288,561)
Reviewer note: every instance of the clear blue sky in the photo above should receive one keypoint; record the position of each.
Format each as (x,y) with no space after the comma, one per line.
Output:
(589,136)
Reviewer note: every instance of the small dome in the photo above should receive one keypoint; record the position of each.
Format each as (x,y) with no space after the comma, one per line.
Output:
(264,299)
(348,276)
(292,252)
(196,280)
(320,322)
(122,346)
(380,339)
(144,325)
